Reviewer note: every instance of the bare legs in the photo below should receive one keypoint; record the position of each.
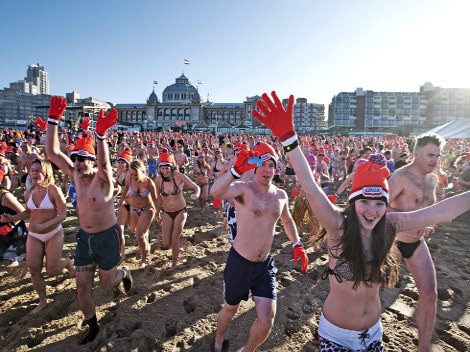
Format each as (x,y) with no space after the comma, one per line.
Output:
(142,229)
(36,250)
(259,331)
(171,233)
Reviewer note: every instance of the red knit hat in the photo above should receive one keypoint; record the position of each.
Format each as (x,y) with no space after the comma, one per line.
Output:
(370,181)
(165,160)
(2,152)
(85,147)
(266,152)
(125,155)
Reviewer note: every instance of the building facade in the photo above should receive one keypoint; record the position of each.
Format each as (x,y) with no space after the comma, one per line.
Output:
(398,112)
(308,117)
(182,108)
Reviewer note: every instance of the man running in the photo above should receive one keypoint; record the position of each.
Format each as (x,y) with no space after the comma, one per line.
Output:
(250,266)
(412,187)
(99,239)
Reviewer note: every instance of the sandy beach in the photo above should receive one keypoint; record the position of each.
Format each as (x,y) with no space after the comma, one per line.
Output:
(176,310)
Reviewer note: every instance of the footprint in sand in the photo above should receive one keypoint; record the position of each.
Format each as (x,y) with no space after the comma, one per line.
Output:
(170,328)
(189,306)
(151,298)
(453,340)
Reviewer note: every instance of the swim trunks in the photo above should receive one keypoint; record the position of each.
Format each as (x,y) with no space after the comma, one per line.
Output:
(101,248)
(407,249)
(242,275)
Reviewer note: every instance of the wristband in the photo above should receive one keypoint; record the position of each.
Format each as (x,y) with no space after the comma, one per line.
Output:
(52,121)
(235,174)
(101,138)
(297,244)
(290,143)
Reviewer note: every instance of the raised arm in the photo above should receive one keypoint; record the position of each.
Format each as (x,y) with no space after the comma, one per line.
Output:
(280,122)
(56,110)
(105,171)
(444,211)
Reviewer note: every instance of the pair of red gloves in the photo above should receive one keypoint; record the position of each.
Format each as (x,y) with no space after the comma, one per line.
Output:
(57,108)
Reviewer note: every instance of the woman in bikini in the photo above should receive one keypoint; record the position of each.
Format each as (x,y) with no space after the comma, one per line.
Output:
(122,173)
(46,209)
(215,171)
(359,239)
(200,172)
(170,197)
(142,202)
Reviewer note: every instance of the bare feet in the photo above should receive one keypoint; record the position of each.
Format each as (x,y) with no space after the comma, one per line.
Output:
(142,265)
(40,307)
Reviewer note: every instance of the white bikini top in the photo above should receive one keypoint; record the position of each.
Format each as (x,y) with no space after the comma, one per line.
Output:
(45,203)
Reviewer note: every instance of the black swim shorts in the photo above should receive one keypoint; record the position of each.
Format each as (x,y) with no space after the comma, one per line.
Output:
(242,275)
(101,248)
(290,171)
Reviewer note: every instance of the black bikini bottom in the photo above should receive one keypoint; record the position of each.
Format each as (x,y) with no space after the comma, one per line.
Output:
(407,249)
(174,214)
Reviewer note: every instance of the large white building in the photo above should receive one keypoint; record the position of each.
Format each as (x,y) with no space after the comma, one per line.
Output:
(308,117)
(401,112)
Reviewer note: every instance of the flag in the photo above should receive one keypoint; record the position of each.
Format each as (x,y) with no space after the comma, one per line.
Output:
(155,82)
(199,82)
(186,62)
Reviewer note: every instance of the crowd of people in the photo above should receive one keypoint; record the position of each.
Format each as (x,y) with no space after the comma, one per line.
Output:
(398,188)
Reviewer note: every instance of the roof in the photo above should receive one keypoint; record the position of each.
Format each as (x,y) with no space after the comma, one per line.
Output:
(226,105)
(182,85)
(459,128)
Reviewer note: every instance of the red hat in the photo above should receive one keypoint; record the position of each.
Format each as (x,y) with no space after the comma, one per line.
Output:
(70,147)
(370,181)
(218,150)
(125,155)
(10,149)
(85,147)
(151,141)
(266,152)
(2,152)
(321,151)
(467,156)
(165,160)
(236,146)
(2,174)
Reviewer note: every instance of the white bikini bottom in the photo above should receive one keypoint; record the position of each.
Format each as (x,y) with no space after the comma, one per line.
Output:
(44,237)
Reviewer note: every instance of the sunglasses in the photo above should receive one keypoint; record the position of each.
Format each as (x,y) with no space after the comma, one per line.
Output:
(80,158)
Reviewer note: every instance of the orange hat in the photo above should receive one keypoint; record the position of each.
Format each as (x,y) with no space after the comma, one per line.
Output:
(236,146)
(70,146)
(165,160)
(266,152)
(2,152)
(370,181)
(125,155)
(10,149)
(85,147)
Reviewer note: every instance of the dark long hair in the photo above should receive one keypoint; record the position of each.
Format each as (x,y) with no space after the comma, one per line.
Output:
(383,267)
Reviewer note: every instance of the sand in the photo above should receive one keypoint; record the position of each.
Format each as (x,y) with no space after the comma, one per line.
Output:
(176,310)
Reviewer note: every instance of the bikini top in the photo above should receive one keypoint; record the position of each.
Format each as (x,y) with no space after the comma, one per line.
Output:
(342,271)
(142,194)
(45,203)
(174,192)
(197,173)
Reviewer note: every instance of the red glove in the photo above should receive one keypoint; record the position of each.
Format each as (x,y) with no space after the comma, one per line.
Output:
(57,107)
(105,122)
(5,230)
(333,198)
(278,120)
(299,252)
(85,124)
(41,124)
(241,164)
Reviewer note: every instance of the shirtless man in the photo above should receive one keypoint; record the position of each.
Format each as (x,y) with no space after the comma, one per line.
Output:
(413,187)
(153,155)
(25,160)
(181,159)
(99,239)
(259,205)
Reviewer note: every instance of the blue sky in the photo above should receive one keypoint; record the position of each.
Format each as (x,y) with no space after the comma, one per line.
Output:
(114,50)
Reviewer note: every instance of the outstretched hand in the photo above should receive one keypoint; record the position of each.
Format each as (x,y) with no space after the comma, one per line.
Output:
(41,124)
(85,124)
(278,120)
(105,122)
(299,252)
(57,107)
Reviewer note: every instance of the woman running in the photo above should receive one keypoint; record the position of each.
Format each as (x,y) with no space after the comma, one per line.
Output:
(143,198)
(200,174)
(122,173)
(170,196)
(46,209)
(215,171)
(360,239)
